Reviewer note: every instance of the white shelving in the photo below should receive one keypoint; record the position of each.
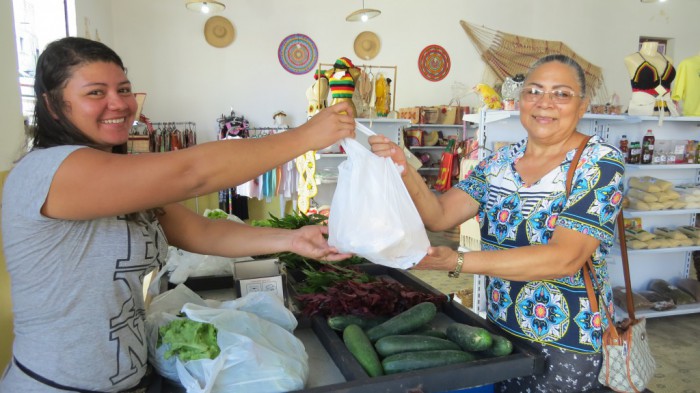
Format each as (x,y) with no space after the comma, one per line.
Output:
(668,264)
(431,171)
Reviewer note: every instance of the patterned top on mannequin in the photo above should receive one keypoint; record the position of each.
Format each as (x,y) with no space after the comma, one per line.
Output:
(651,74)
(646,78)
(342,79)
(342,86)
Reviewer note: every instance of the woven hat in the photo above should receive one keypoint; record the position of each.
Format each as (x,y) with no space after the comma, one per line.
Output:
(367,45)
(219,32)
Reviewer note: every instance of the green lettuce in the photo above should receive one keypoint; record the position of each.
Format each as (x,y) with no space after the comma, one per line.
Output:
(189,340)
(217,215)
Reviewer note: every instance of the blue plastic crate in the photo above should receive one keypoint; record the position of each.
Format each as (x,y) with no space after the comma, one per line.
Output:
(478,389)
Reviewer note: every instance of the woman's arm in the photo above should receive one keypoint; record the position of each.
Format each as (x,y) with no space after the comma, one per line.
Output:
(191,232)
(564,255)
(438,212)
(92,183)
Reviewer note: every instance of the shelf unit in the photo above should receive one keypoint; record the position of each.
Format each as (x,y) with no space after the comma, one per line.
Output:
(668,263)
(430,171)
(327,161)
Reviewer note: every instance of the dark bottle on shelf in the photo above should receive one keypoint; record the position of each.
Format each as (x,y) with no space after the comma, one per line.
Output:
(624,148)
(635,153)
(648,147)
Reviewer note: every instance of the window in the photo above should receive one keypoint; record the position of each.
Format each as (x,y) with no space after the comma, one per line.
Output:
(37,22)
(663,43)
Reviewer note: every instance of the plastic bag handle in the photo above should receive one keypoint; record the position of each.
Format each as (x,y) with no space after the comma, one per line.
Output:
(362,128)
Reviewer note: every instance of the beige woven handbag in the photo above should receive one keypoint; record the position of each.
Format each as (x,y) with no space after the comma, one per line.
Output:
(628,364)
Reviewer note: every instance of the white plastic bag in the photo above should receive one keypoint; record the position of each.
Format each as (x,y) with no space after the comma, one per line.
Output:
(258,352)
(372,214)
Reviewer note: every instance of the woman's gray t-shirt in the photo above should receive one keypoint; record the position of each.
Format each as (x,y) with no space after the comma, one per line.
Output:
(77,286)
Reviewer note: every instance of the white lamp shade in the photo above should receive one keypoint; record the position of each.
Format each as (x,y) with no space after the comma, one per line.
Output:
(205,6)
(362,15)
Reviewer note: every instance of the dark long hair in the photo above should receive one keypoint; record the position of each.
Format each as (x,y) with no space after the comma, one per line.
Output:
(54,68)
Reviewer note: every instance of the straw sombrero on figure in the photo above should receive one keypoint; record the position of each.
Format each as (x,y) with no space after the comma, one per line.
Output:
(219,32)
(367,45)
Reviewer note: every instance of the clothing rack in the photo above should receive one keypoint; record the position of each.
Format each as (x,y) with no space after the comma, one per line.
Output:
(168,135)
(174,123)
(370,66)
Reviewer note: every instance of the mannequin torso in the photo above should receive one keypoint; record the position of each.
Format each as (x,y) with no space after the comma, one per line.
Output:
(649,52)
(651,74)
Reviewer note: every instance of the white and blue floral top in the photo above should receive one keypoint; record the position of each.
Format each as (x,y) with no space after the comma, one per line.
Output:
(554,312)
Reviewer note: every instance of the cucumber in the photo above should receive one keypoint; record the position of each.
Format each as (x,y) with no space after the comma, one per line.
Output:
(501,346)
(390,345)
(469,338)
(340,322)
(408,361)
(362,349)
(428,330)
(409,320)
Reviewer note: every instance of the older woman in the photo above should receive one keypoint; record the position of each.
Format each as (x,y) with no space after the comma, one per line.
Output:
(535,240)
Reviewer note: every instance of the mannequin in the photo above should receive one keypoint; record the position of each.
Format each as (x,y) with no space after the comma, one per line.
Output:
(342,79)
(317,94)
(651,74)
(687,87)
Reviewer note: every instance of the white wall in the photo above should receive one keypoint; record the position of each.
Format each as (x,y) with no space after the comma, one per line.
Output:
(186,79)
(93,20)
(12,133)
(163,45)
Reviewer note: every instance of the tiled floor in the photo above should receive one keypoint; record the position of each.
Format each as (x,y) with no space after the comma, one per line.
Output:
(673,340)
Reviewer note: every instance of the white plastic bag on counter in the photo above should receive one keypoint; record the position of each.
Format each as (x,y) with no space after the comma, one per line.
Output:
(372,214)
(259,353)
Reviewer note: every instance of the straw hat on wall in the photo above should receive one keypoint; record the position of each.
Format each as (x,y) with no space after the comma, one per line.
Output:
(367,45)
(219,32)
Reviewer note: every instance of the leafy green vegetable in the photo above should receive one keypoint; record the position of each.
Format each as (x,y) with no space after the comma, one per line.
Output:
(217,214)
(291,221)
(189,340)
(329,275)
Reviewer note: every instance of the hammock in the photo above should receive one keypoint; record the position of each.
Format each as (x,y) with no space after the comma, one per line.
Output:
(507,55)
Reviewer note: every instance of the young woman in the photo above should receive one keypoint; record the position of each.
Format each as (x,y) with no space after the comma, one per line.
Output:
(535,240)
(82,224)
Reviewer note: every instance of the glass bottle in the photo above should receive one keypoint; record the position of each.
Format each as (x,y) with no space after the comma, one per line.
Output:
(690,150)
(635,153)
(624,148)
(648,147)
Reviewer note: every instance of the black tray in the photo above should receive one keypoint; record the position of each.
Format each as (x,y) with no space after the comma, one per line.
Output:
(522,361)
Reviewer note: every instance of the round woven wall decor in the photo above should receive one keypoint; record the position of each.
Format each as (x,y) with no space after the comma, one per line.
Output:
(434,63)
(298,54)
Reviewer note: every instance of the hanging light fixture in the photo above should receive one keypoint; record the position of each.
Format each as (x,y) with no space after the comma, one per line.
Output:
(205,7)
(363,15)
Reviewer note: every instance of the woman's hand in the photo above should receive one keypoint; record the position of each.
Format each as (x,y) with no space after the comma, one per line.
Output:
(438,258)
(383,147)
(329,126)
(308,241)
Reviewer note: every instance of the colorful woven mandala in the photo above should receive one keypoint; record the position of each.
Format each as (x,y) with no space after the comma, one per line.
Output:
(434,63)
(298,54)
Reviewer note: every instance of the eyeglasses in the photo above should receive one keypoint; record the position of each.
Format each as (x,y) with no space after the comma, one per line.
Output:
(534,94)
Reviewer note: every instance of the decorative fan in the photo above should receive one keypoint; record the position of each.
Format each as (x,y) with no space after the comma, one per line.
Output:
(298,54)
(434,63)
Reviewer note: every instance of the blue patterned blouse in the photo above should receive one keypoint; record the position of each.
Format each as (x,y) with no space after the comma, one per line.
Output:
(554,312)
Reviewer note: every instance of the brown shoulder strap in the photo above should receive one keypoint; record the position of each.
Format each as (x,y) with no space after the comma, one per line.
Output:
(588,269)
(574,164)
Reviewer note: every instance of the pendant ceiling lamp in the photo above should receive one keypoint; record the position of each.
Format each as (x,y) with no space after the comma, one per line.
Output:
(363,14)
(205,7)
